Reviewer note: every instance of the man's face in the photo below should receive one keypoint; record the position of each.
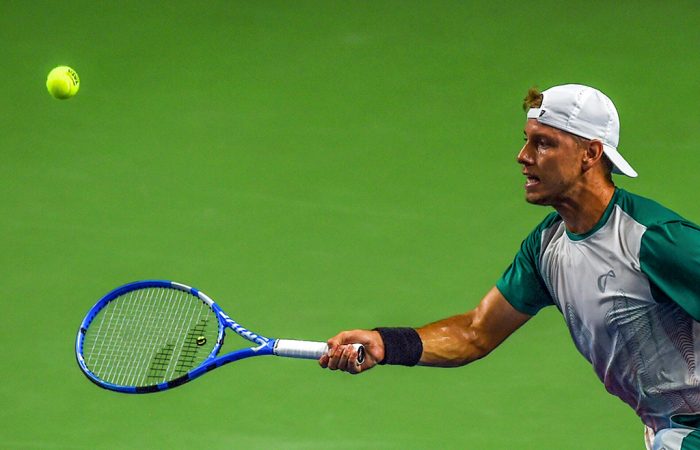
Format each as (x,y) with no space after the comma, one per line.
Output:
(551,161)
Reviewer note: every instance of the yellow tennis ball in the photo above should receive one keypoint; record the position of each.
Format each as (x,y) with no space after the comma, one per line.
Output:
(63,82)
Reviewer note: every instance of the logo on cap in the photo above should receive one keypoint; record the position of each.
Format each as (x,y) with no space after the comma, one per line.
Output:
(542,111)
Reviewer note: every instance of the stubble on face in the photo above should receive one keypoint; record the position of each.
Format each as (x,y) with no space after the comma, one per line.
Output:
(550,160)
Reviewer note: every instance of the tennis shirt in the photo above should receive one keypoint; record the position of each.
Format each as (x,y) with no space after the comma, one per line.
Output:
(629,291)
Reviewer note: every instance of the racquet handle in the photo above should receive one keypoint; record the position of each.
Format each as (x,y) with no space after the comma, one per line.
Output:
(309,350)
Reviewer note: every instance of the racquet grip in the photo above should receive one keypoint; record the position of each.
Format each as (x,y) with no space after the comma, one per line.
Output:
(309,349)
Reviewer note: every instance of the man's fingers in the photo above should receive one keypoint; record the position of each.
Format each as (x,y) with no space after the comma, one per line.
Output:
(323,361)
(342,355)
(333,359)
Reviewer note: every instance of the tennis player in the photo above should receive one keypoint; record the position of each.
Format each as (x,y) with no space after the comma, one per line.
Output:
(623,270)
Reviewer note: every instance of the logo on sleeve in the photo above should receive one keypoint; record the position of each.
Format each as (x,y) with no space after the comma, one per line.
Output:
(603,280)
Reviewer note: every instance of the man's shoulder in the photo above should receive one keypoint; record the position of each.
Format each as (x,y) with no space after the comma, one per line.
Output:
(546,227)
(646,211)
(550,221)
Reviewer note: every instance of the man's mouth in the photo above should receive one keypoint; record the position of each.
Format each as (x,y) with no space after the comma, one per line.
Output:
(531,181)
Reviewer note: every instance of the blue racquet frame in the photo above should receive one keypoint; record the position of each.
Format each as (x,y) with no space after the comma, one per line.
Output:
(265,346)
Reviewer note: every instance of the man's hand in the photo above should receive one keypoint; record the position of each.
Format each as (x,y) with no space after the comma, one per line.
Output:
(342,356)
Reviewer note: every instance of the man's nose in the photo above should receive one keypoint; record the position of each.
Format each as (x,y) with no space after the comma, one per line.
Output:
(525,155)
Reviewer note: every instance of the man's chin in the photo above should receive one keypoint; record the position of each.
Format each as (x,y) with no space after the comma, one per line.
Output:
(535,199)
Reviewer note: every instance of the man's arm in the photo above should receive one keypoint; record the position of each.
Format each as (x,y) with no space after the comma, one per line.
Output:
(461,339)
(451,342)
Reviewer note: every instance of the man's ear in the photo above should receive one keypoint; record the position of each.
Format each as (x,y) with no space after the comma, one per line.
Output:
(592,155)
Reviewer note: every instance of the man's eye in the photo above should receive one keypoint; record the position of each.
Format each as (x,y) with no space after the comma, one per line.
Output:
(543,143)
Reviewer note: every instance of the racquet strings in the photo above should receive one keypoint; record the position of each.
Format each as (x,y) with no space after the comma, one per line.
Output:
(149,336)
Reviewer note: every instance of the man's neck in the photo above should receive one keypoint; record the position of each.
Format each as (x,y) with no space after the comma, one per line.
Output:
(582,211)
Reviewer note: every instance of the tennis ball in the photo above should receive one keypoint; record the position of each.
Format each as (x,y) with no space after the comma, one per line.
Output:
(63,82)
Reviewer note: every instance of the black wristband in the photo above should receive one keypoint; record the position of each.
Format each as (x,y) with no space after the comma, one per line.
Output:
(402,346)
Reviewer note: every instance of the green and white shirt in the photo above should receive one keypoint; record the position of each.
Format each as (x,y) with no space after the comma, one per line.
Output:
(629,291)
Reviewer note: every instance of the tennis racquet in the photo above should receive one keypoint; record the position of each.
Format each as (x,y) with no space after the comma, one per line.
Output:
(149,336)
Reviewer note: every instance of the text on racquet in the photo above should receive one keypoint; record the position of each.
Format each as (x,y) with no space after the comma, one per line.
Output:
(153,335)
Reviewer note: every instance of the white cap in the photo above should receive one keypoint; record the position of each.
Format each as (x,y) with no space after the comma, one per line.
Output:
(585,112)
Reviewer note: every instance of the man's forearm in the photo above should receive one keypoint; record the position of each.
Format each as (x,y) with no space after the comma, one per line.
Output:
(451,342)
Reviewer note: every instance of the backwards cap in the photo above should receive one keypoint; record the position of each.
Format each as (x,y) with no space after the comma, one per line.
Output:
(585,112)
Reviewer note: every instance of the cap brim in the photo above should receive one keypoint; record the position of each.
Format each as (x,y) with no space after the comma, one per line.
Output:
(621,166)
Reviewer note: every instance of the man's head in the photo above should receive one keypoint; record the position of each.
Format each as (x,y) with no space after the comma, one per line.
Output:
(571,134)
(584,112)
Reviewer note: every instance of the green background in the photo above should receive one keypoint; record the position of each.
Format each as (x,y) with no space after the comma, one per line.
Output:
(312,166)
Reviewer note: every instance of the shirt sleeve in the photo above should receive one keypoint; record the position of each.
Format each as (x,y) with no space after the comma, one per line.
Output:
(670,257)
(521,284)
